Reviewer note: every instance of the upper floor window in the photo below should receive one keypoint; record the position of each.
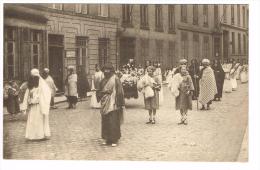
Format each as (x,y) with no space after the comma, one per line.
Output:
(225,13)
(233,43)
(205,15)
(216,22)
(195,15)
(127,14)
(238,15)
(171,14)
(244,16)
(144,16)
(103,10)
(57,6)
(232,15)
(158,18)
(183,13)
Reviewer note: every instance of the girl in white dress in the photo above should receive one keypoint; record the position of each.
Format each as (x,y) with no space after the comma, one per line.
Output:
(227,87)
(98,76)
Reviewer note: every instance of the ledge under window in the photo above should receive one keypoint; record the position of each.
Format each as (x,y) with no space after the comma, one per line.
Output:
(172,31)
(145,27)
(159,29)
(127,25)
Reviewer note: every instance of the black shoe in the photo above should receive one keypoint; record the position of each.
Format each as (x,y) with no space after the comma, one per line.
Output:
(153,122)
(203,108)
(149,122)
(180,123)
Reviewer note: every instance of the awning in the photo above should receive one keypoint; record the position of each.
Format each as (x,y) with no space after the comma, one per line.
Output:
(24,13)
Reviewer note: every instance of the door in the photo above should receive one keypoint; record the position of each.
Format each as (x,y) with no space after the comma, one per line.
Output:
(217,53)
(127,50)
(56,66)
(225,44)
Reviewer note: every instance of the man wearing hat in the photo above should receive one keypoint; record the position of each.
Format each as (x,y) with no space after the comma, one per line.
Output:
(208,87)
(71,90)
(181,63)
(48,79)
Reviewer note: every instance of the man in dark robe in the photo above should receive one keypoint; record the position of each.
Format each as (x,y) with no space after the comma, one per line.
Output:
(82,85)
(220,77)
(194,71)
(111,96)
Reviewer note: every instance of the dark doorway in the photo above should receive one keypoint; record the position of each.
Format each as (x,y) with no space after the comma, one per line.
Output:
(225,44)
(56,60)
(217,48)
(127,49)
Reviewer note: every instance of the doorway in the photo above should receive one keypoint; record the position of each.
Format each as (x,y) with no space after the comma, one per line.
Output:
(225,44)
(127,50)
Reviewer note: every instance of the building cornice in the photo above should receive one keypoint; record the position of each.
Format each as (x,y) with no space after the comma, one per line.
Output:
(194,29)
(234,27)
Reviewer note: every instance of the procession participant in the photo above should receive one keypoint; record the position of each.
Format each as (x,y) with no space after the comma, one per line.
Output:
(194,71)
(233,75)
(238,71)
(71,90)
(37,103)
(48,79)
(151,88)
(184,99)
(13,101)
(96,80)
(227,87)
(140,70)
(181,63)
(82,83)
(158,75)
(244,72)
(111,96)
(208,87)
(219,76)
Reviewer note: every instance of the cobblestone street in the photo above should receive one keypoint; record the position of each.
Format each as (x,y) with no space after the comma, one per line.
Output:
(214,135)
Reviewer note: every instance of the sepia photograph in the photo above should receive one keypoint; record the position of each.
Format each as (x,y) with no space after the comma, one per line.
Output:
(126,82)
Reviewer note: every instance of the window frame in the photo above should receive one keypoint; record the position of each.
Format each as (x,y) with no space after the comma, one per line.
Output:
(171,18)
(184,13)
(195,8)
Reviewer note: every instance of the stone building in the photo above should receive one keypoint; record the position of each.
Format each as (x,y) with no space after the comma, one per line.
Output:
(58,35)
(55,36)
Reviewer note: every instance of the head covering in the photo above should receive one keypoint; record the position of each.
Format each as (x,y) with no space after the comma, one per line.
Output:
(35,72)
(108,66)
(150,68)
(205,61)
(71,67)
(46,70)
(183,61)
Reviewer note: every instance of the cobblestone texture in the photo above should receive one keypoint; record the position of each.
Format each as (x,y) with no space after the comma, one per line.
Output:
(214,135)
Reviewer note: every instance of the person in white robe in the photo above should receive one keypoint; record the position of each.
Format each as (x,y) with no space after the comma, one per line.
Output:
(158,75)
(244,73)
(233,75)
(37,104)
(227,87)
(97,78)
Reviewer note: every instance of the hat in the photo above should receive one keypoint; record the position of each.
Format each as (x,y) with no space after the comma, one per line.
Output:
(205,61)
(46,70)
(35,72)
(108,66)
(183,61)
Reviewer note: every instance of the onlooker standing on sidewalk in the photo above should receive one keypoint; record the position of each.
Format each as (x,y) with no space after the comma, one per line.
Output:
(71,90)
(208,87)
(184,100)
(219,76)
(46,76)
(111,95)
(194,71)
(37,102)
(83,85)
(13,100)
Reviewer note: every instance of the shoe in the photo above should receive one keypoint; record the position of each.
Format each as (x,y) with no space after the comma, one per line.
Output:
(104,142)
(149,122)
(180,123)
(114,145)
(203,108)
(153,121)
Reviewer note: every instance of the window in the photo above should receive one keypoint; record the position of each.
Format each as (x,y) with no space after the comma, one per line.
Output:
(81,44)
(206,47)
(103,10)
(238,15)
(247,18)
(103,49)
(144,16)
(244,17)
(57,6)
(216,22)
(35,39)
(85,8)
(195,15)
(183,13)
(78,8)
(225,13)
(171,55)
(239,43)
(196,45)
(232,15)
(159,50)
(171,15)
(127,15)
(244,43)
(144,49)
(158,18)
(233,43)
(184,45)
(205,15)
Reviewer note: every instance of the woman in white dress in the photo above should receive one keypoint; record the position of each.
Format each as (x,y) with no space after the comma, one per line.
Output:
(233,75)
(37,104)
(98,76)
(244,73)
(227,87)
(158,74)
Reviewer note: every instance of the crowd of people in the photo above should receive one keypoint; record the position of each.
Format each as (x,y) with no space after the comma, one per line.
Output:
(203,82)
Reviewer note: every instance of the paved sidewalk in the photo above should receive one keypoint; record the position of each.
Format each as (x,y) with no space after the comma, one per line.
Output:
(243,155)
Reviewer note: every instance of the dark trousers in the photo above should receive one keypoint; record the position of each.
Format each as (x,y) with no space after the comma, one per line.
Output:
(52,101)
(72,100)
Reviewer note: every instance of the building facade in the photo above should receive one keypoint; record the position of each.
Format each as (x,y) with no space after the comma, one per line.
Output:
(58,35)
